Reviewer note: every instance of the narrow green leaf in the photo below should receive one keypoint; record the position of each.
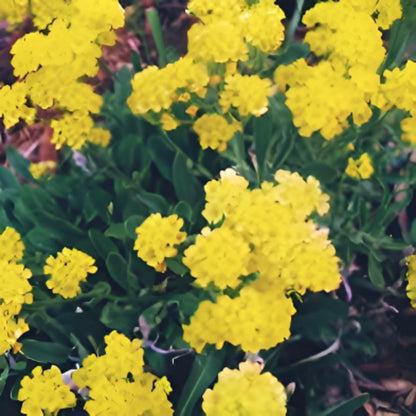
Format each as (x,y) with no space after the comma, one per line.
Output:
(348,407)
(157,33)
(186,186)
(45,352)
(203,372)
(101,243)
(262,139)
(131,224)
(117,267)
(7,179)
(375,271)
(19,163)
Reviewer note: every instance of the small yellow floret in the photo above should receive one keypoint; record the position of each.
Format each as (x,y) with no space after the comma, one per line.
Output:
(245,391)
(215,131)
(45,391)
(156,239)
(68,269)
(361,168)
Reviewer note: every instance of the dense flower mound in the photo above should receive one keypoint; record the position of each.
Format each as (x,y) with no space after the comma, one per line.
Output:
(217,46)
(67,270)
(15,290)
(265,232)
(45,391)
(120,371)
(156,239)
(246,392)
(49,74)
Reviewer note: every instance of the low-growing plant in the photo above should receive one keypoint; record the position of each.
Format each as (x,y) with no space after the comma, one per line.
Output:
(204,239)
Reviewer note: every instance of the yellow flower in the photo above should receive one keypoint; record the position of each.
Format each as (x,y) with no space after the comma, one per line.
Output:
(45,391)
(360,168)
(313,98)
(248,93)
(156,239)
(215,131)
(15,287)
(68,269)
(168,122)
(11,246)
(408,126)
(42,168)
(399,89)
(220,257)
(13,105)
(11,328)
(411,279)
(345,36)
(255,320)
(219,41)
(110,365)
(264,14)
(118,384)
(245,391)
(304,197)
(223,194)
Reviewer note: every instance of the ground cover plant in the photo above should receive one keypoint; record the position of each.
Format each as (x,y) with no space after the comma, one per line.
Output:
(220,224)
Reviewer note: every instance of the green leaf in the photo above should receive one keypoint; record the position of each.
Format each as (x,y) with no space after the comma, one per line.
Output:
(186,186)
(375,271)
(101,243)
(41,240)
(116,230)
(348,407)
(19,163)
(4,367)
(157,33)
(162,155)
(7,179)
(262,139)
(131,224)
(183,210)
(154,202)
(96,204)
(120,318)
(203,372)
(176,267)
(117,267)
(45,352)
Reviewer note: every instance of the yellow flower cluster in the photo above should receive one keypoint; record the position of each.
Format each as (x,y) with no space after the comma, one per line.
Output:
(255,320)
(221,40)
(245,391)
(411,279)
(347,37)
(156,239)
(15,290)
(42,168)
(360,168)
(321,98)
(247,20)
(385,12)
(247,93)
(263,231)
(45,391)
(49,73)
(157,89)
(67,270)
(399,90)
(215,131)
(120,372)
